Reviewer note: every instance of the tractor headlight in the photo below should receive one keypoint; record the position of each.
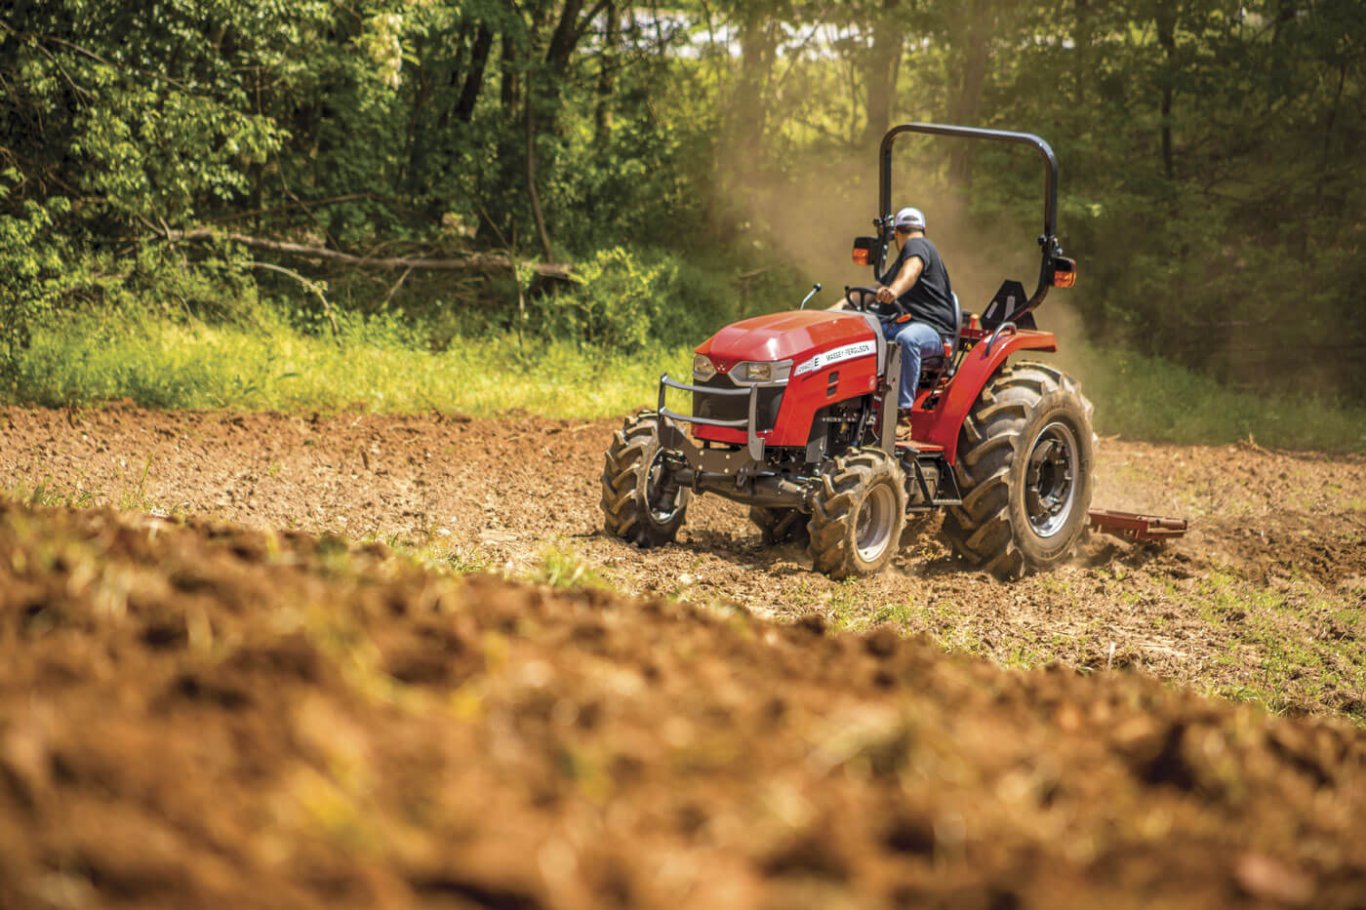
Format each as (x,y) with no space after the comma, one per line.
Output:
(762,371)
(702,367)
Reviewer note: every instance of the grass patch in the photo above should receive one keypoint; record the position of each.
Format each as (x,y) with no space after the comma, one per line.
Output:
(198,366)
(380,368)
(1149,398)
(562,568)
(1289,647)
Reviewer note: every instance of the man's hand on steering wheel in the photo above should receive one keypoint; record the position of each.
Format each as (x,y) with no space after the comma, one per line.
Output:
(884,294)
(858,298)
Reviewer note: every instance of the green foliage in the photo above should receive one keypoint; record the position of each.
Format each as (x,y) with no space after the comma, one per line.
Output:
(186,363)
(1143,397)
(382,365)
(30,272)
(611,308)
(561,567)
(1212,183)
(625,301)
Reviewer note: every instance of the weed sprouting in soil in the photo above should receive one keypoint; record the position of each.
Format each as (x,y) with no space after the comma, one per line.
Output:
(561,567)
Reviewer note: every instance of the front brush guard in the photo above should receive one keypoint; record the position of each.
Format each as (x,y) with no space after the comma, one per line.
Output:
(736,474)
(713,460)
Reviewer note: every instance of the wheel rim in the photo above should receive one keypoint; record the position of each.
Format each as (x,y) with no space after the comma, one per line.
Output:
(658,503)
(873,525)
(1051,479)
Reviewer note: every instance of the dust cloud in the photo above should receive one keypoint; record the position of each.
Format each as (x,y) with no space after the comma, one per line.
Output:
(810,221)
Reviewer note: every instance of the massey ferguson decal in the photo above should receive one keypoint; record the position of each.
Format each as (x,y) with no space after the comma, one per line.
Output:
(825,358)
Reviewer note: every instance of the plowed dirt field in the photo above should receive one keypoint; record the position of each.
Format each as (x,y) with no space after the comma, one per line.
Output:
(1264,600)
(198,714)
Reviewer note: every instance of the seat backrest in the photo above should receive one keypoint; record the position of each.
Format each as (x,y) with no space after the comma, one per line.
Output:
(938,369)
(957,322)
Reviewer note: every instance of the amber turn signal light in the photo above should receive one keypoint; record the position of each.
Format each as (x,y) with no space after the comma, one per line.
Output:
(1064,272)
(863,250)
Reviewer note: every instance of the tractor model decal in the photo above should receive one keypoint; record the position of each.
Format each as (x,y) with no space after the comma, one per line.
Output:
(825,358)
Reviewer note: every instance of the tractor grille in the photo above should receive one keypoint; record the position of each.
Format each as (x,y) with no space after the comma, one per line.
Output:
(736,407)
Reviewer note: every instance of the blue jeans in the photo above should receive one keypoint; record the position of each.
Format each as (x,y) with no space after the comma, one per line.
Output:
(918,341)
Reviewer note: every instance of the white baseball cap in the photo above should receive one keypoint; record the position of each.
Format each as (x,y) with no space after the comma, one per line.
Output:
(909,219)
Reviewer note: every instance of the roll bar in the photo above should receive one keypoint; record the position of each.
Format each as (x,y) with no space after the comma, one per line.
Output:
(1048,240)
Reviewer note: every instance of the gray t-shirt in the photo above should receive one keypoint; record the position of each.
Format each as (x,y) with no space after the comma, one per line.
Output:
(930,299)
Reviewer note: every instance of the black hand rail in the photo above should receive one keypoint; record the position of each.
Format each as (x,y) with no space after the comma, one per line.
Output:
(1048,240)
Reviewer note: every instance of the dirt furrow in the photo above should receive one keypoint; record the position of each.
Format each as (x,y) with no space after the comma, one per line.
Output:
(1262,600)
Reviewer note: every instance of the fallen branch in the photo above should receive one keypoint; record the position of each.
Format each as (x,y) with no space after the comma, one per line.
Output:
(313,286)
(474,262)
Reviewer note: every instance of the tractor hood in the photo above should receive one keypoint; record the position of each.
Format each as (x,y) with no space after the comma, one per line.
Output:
(782,336)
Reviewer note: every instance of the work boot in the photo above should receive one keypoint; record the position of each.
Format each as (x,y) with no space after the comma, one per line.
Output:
(903,428)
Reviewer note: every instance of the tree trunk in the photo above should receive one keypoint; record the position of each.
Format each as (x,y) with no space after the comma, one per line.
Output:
(474,78)
(1166,39)
(565,38)
(509,61)
(967,104)
(1081,38)
(417,124)
(882,64)
(758,42)
(607,75)
(564,41)
(1326,157)
(532,193)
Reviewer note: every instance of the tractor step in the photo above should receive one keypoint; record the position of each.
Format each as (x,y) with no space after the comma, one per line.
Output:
(934,479)
(1137,527)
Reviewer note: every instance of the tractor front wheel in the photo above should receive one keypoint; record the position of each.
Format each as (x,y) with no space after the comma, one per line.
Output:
(1024,468)
(641,503)
(857,514)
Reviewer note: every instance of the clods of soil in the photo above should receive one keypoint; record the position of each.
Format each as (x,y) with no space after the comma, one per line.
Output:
(1265,599)
(210,716)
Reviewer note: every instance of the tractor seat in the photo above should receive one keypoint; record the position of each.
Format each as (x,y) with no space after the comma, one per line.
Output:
(933,369)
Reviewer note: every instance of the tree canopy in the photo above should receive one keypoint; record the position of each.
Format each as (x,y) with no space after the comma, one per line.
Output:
(191,150)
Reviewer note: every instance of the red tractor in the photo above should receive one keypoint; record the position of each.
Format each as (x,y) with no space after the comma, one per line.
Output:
(794,414)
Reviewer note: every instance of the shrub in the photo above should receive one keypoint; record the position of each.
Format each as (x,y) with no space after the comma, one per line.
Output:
(612,306)
(626,301)
(30,273)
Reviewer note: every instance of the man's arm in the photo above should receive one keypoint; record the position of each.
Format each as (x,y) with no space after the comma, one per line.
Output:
(904,281)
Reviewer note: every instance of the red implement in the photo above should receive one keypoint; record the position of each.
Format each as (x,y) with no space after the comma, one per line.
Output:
(1137,527)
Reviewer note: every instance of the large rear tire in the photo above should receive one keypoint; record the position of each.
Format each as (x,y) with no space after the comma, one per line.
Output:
(1025,456)
(857,514)
(639,504)
(779,525)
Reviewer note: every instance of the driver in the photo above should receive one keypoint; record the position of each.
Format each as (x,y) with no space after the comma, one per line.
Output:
(915,300)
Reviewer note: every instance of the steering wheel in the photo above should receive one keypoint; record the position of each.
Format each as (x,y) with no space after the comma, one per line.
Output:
(865,294)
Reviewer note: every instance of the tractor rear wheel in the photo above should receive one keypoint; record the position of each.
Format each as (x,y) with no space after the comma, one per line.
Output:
(640,503)
(857,514)
(1024,468)
(778,525)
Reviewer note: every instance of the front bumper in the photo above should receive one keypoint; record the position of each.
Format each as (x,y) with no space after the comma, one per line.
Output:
(737,474)
(700,458)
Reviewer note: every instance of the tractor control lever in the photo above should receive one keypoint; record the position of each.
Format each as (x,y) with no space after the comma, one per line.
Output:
(815,289)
